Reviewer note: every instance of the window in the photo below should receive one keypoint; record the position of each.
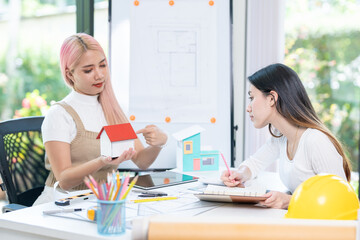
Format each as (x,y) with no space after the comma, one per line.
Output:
(29,54)
(323,45)
(208,161)
(188,147)
(31,36)
(101,25)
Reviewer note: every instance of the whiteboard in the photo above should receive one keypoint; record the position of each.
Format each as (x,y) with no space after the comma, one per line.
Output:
(170,66)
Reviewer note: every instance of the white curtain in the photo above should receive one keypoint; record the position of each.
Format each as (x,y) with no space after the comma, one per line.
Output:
(265,39)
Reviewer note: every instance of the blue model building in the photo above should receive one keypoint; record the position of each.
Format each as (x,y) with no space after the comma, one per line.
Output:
(189,155)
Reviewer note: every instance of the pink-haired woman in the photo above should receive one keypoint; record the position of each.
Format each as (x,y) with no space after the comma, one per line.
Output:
(71,125)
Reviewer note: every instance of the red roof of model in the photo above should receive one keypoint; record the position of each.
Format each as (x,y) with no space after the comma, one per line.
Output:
(119,132)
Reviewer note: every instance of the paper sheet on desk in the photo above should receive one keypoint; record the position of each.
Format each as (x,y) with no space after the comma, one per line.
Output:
(213,181)
(251,187)
(186,204)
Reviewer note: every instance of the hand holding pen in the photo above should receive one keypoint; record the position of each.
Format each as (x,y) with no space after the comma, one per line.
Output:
(232,179)
(227,166)
(236,178)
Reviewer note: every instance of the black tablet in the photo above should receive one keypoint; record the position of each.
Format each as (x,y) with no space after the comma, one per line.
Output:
(162,179)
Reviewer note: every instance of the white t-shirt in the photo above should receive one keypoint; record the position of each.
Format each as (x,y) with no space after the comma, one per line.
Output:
(315,154)
(58,125)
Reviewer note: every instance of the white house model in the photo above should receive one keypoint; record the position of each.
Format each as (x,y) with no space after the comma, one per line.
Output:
(115,139)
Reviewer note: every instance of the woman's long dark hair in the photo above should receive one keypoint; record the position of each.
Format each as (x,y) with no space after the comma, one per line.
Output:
(293,102)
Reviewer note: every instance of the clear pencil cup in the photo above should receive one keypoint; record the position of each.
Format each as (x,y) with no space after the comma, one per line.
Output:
(110,217)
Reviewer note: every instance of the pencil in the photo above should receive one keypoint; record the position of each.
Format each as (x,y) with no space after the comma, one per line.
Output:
(93,181)
(130,187)
(112,185)
(121,187)
(118,183)
(101,194)
(109,186)
(90,186)
(125,185)
(153,199)
(227,166)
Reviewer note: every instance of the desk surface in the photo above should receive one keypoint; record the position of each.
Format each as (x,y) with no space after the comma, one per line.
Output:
(30,223)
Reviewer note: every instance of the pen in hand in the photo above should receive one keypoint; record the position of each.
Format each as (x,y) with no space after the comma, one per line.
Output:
(227,166)
(66,210)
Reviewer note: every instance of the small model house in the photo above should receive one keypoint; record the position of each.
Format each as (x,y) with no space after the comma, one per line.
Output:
(189,156)
(115,139)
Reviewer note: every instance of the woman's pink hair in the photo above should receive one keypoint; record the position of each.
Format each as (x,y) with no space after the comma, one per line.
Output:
(71,51)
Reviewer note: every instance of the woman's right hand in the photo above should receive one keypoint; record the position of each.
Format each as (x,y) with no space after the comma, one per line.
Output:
(237,178)
(126,155)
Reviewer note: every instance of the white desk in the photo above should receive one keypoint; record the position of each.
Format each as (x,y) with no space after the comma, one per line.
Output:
(30,223)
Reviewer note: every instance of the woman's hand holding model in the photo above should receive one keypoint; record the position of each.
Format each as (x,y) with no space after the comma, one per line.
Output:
(154,137)
(126,155)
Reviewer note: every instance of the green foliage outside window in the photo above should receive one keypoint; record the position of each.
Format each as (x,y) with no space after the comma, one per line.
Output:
(33,104)
(40,71)
(327,59)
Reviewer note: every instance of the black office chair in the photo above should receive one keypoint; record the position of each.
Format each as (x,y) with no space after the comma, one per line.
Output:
(22,165)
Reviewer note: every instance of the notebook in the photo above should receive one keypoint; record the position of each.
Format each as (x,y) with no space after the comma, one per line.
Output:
(217,193)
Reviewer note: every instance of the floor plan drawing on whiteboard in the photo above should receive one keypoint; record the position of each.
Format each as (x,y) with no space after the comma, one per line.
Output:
(177,66)
(177,50)
(173,63)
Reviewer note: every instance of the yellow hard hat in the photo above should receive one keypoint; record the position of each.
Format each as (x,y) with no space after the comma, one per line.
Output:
(324,196)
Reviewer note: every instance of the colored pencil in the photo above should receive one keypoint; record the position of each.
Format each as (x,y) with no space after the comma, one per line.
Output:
(90,186)
(130,187)
(153,199)
(227,166)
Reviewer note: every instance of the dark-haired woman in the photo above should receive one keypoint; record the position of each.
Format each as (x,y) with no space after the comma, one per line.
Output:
(301,142)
